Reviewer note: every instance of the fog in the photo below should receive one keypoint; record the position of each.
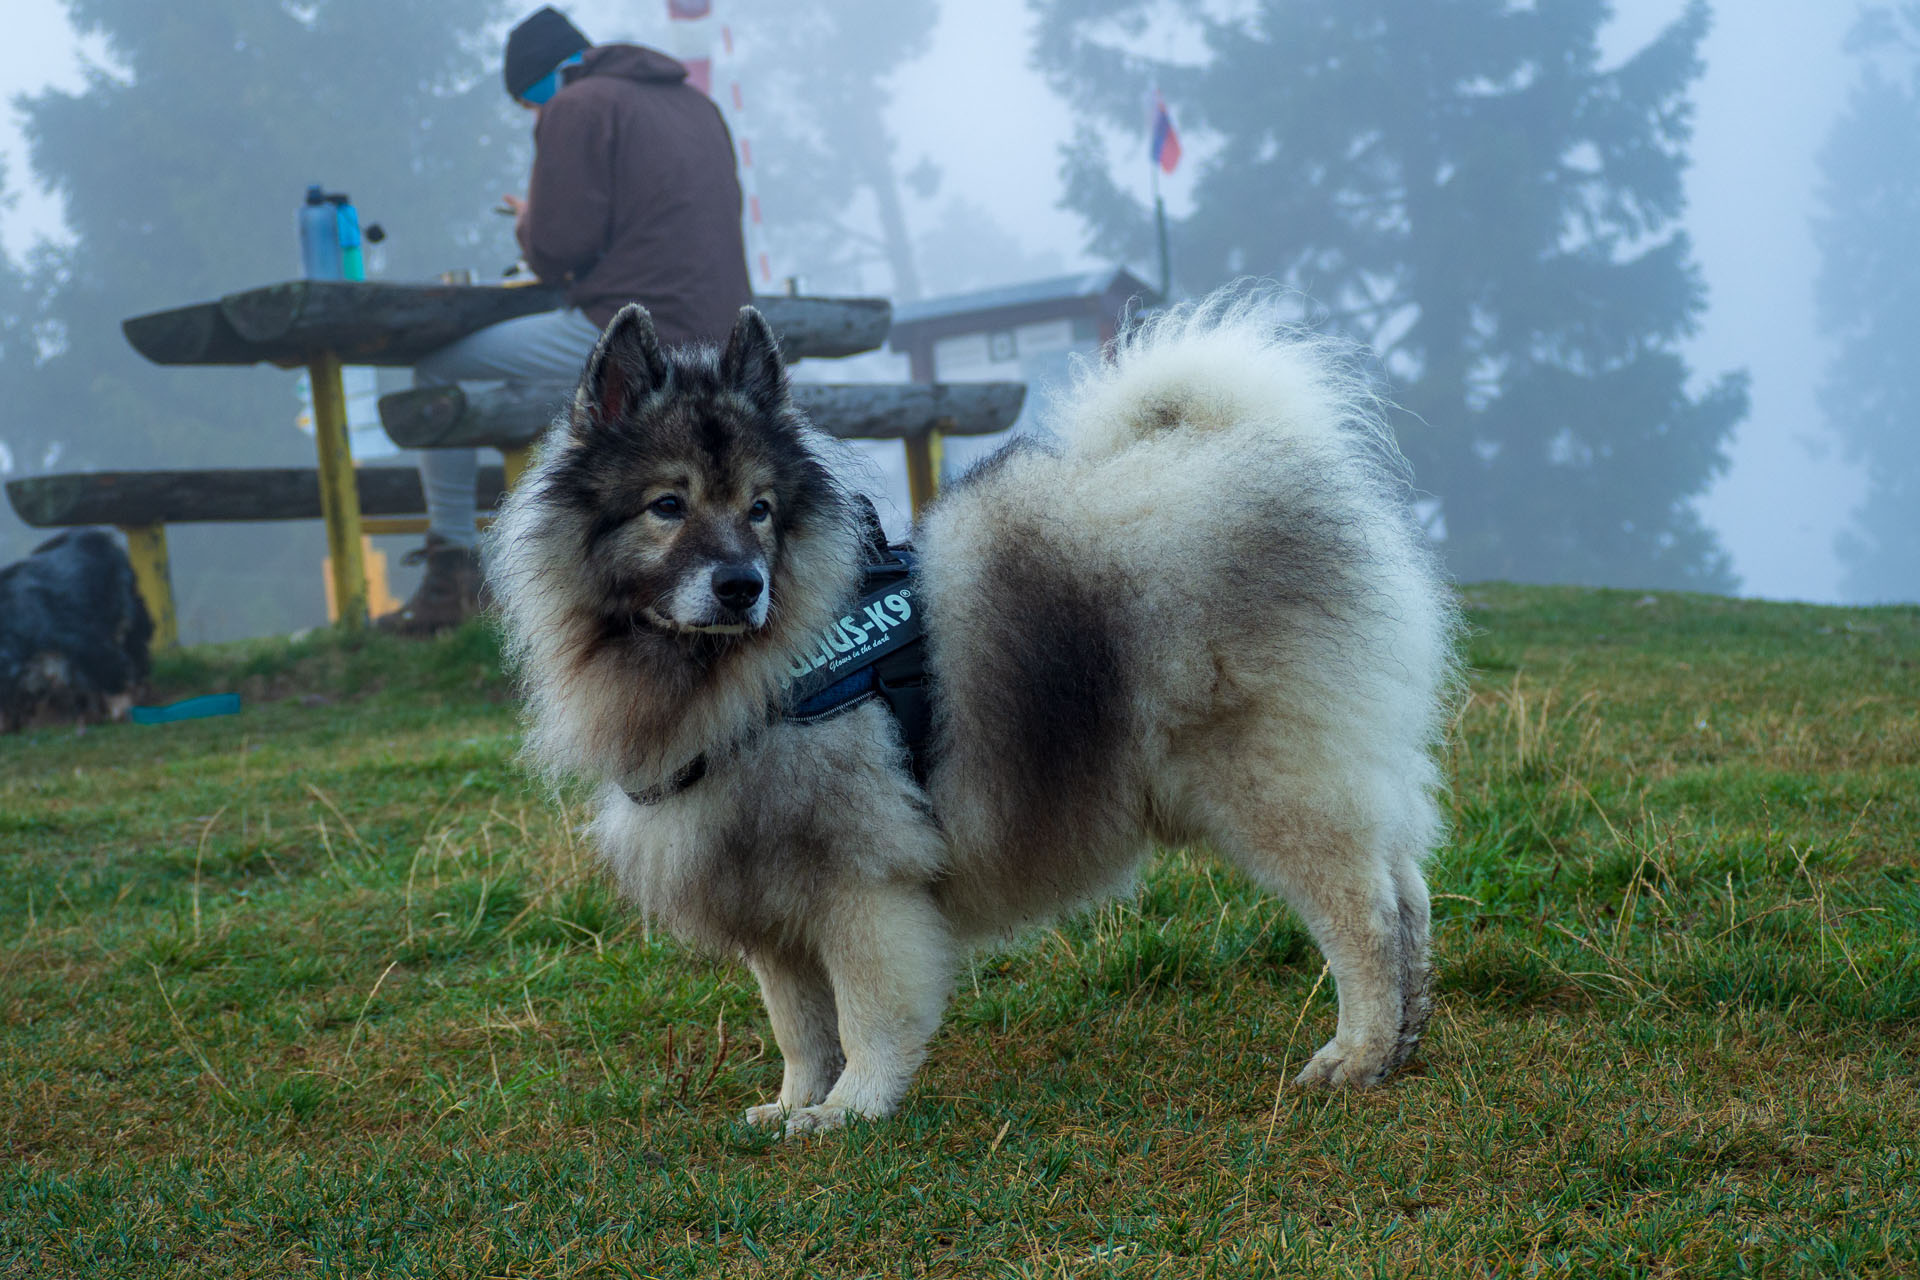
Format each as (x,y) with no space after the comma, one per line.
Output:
(1776,78)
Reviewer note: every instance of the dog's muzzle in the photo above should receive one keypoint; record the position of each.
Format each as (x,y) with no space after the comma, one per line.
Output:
(729,598)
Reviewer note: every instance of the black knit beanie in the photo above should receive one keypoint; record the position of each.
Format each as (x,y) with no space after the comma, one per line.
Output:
(537,46)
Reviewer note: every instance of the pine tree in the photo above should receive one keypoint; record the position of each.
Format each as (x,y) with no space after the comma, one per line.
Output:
(180,167)
(1868,297)
(1465,187)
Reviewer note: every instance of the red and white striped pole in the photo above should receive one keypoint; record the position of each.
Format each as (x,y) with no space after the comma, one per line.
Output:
(694,28)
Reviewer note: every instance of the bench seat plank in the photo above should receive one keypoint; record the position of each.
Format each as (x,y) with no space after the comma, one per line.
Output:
(510,417)
(137,498)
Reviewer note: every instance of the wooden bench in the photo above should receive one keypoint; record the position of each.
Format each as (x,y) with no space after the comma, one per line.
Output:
(141,504)
(324,324)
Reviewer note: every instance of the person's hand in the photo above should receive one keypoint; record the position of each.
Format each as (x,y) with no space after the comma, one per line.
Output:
(519,207)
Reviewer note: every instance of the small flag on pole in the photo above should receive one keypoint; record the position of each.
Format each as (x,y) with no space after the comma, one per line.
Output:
(1166,143)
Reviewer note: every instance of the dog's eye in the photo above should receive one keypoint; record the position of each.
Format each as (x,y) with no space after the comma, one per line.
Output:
(760,511)
(667,506)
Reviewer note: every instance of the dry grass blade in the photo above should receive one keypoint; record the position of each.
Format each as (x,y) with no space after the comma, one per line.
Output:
(199,855)
(352,833)
(361,1019)
(188,1044)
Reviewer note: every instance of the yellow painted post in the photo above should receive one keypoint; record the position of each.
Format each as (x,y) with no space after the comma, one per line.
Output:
(147,549)
(379,598)
(923,467)
(514,463)
(339,497)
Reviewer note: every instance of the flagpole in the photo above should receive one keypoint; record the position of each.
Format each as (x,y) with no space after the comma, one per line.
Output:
(1160,235)
(1159,204)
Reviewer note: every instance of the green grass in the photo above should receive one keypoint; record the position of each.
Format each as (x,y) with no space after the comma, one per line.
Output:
(327,989)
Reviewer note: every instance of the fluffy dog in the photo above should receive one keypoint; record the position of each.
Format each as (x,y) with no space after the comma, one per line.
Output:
(1204,616)
(73,632)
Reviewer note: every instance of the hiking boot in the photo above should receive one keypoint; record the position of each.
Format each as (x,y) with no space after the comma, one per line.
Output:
(448,594)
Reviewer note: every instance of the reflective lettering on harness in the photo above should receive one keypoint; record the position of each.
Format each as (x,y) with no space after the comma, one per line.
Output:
(890,610)
(852,641)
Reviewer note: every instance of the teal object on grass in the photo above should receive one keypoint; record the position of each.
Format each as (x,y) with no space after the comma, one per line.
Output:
(211,704)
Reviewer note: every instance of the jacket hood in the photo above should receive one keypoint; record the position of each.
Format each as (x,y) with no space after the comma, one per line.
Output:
(628,62)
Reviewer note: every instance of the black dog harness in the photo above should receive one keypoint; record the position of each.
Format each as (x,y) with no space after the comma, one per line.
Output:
(876,650)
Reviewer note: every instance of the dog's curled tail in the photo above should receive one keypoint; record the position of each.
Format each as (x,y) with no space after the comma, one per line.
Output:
(1230,360)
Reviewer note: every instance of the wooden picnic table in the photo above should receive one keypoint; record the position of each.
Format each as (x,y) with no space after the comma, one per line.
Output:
(325,324)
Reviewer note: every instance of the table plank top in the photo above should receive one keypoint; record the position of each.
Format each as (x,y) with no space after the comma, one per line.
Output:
(377,322)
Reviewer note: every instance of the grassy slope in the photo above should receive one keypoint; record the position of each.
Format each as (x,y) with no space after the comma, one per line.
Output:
(325,988)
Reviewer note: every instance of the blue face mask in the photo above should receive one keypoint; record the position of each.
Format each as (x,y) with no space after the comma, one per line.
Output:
(549,84)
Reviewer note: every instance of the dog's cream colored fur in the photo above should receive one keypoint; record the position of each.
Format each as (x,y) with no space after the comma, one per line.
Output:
(1267,661)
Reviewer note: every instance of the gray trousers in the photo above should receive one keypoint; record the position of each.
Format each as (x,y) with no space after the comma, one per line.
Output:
(548,349)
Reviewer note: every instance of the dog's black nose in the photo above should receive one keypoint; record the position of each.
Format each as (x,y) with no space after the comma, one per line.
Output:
(737,585)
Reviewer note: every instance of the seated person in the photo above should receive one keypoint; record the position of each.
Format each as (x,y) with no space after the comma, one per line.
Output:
(634,198)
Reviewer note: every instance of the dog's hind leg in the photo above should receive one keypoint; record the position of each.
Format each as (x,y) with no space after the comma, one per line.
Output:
(1413,921)
(889,956)
(800,1008)
(1359,889)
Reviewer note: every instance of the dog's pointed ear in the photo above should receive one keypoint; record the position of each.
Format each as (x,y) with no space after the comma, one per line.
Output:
(751,363)
(625,368)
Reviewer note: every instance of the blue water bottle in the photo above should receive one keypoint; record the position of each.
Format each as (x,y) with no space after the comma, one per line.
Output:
(320,237)
(353,265)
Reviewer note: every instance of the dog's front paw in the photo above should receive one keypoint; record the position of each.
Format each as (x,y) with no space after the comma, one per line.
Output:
(817,1119)
(1339,1066)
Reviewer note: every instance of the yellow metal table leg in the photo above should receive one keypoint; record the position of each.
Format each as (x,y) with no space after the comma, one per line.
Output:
(147,549)
(515,463)
(923,468)
(339,496)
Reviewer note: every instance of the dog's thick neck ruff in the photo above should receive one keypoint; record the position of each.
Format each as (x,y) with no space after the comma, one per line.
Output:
(875,650)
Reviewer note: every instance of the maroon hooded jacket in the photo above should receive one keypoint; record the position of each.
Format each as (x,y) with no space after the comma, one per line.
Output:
(635,199)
